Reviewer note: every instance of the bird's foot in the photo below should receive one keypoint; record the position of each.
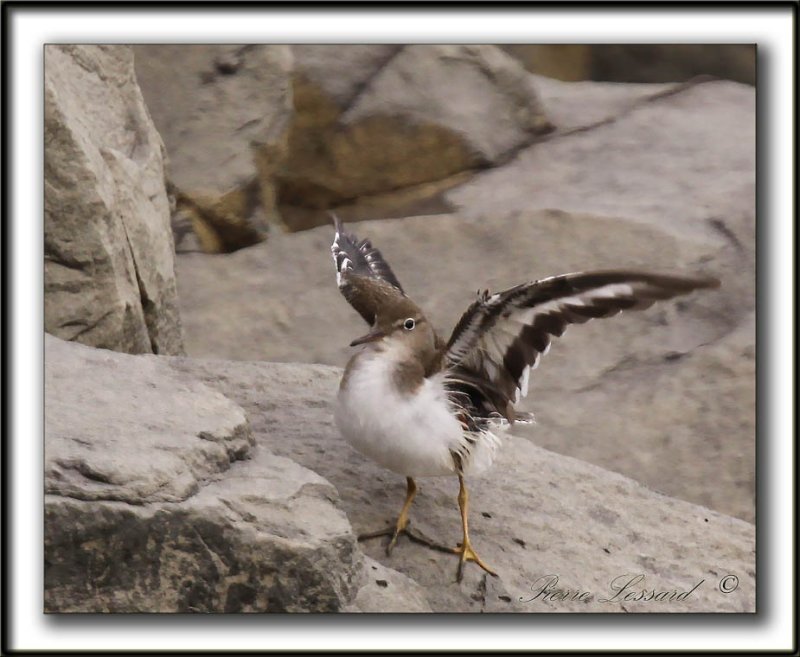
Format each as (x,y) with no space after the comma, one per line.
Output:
(402,529)
(468,554)
(392,532)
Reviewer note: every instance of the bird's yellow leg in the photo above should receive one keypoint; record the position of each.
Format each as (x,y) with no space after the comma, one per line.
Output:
(465,549)
(401,526)
(402,519)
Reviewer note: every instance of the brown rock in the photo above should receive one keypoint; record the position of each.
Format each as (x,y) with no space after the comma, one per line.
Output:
(569,62)
(637,62)
(374,119)
(673,62)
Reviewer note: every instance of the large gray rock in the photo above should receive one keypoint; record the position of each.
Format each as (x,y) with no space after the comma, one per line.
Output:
(663,157)
(109,269)
(273,531)
(149,506)
(130,429)
(109,277)
(536,513)
(375,119)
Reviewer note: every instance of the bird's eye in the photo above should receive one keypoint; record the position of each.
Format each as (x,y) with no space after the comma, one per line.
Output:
(409,324)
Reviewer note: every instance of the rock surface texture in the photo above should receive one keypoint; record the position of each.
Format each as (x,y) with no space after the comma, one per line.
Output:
(224,113)
(261,134)
(157,500)
(399,120)
(666,396)
(264,516)
(109,277)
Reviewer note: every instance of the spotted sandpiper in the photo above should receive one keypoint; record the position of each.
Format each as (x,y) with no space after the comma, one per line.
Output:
(423,407)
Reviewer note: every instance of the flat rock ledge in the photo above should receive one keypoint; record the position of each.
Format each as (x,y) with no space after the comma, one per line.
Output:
(182,485)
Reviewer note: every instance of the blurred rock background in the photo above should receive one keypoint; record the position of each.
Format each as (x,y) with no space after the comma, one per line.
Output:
(470,167)
(645,62)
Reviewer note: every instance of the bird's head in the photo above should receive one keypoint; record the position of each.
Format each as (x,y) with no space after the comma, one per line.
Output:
(400,324)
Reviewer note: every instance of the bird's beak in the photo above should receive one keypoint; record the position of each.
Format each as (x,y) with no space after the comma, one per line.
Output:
(374,334)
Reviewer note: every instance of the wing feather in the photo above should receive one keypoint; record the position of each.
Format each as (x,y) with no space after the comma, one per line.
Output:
(502,337)
(364,278)
(359,257)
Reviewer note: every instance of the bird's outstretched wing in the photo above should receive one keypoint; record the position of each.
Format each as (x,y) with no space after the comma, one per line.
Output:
(502,336)
(363,276)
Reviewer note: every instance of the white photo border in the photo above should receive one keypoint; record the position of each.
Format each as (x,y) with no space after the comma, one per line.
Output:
(27,28)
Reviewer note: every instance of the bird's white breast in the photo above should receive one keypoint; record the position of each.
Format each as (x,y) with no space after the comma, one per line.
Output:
(410,433)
